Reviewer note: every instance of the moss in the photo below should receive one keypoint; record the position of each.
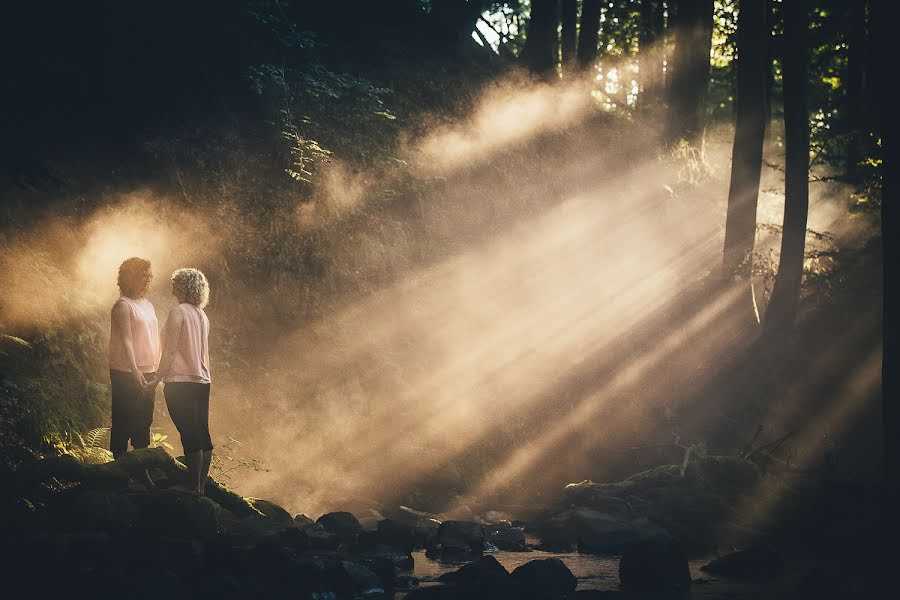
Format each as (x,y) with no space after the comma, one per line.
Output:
(179,516)
(94,510)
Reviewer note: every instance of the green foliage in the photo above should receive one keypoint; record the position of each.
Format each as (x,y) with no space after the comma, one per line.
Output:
(228,461)
(821,265)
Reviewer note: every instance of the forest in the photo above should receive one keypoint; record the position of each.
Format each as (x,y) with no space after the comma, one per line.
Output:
(539,299)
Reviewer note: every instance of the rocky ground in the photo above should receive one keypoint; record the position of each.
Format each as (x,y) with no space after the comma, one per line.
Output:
(101,530)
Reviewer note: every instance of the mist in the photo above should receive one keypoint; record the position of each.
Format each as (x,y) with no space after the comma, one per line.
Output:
(538,300)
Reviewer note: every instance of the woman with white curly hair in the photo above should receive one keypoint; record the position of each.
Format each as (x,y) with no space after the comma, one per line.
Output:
(184,368)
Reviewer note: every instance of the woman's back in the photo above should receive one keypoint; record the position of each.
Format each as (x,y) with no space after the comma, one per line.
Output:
(191,362)
(144,337)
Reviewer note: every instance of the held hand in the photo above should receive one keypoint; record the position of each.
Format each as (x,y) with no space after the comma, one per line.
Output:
(139,378)
(150,386)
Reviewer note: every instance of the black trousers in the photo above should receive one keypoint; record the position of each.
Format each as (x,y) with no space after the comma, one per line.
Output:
(188,405)
(132,412)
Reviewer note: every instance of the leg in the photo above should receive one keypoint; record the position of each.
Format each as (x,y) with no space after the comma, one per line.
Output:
(204,438)
(194,462)
(119,430)
(183,410)
(143,417)
(204,470)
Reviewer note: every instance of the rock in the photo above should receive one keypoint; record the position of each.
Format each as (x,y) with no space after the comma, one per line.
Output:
(224,497)
(460,536)
(253,528)
(485,574)
(272,511)
(94,510)
(319,539)
(654,566)
(753,564)
(596,532)
(360,580)
(178,516)
(401,560)
(302,520)
(549,576)
(511,539)
(342,524)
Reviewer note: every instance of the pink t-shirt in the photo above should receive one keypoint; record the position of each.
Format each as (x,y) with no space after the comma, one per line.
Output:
(191,362)
(144,338)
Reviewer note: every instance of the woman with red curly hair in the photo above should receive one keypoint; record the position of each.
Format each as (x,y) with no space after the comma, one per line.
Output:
(133,358)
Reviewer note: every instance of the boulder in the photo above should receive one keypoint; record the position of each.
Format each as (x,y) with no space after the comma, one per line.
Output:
(93,510)
(753,564)
(234,502)
(654,566)
(272,511)
(460,536)
(595,532)
(177,515)
(547,576)
(485,574)
(343,525)
(360,581)
(511,539)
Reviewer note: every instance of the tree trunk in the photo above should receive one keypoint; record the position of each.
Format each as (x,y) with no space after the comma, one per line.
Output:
(541,51)
(454,20)
(589,33)
(750,130)
(855,85)
(692,28)
(651,52)
(786,293)
(884,16)
(569,37)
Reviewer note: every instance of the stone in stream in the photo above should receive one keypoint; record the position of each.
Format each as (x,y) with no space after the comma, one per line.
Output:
(342,524)
(654,566)
(460,537)
(548,576)
(753,564)
(511,539)
(485,577)
(361,581)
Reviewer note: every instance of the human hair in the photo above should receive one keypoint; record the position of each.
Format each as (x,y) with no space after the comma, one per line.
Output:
(191,286)
(134,276)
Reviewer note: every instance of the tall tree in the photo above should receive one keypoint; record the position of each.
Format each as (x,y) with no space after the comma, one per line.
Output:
(650,42)
(692,27)
(589,33)
(541,51)
(855,75)
(569,32)
(786,293)
(885,14)
(746,158)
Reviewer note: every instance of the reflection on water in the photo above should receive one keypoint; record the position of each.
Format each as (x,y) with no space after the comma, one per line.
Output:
(593,572)
(602,573)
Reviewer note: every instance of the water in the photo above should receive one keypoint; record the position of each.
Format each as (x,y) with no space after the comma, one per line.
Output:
(602,573)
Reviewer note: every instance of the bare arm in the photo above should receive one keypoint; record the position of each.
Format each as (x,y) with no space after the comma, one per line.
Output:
(121,316)
(171,337)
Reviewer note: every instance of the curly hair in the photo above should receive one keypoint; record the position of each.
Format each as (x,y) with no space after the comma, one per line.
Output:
(134,275)
(191,286)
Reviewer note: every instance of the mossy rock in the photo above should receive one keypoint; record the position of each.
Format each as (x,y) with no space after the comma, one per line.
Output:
(228,499)
(93,510)
(179,515)
(272,511)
